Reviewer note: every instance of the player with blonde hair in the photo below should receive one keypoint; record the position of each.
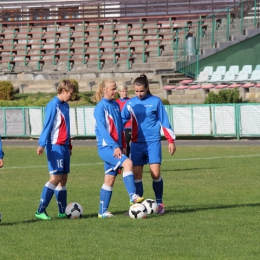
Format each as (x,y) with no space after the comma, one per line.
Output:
(111,146)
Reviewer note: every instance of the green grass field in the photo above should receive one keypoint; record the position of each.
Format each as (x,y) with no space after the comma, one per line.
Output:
(212,198)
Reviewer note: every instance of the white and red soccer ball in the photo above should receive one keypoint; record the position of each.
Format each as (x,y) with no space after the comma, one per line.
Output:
(74,210)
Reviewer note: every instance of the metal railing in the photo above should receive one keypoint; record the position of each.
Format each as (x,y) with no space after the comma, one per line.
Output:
(212,29)
(32,10)
(188,42)
(224,120)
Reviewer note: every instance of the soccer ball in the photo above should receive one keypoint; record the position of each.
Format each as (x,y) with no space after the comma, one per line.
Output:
(74,210)
(137,210)
(151,206)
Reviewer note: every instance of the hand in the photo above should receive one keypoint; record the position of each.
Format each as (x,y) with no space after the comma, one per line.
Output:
(124,151)
(40,150)
(117,153)
(171,148)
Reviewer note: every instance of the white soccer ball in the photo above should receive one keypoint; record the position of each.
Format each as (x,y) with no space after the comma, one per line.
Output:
(138,210)
(74,210)
(151,206)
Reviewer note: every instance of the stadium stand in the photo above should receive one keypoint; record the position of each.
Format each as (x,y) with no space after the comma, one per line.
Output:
(88,38)
(209,69)
(222,69)
(257,67)
(242,76)
(216,76)
(247,68)
(255,76)
(202,78)
(229,77)
(234,68)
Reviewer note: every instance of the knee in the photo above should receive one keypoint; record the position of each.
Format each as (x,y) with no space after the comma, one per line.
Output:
(63,183)
(127,164)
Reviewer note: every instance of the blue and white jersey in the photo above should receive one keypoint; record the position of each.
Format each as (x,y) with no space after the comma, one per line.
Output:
(56,129)
(148,117)
(109,127)
(1,149)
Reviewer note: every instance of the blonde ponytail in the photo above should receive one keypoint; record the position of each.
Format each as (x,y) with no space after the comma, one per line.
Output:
(99,92)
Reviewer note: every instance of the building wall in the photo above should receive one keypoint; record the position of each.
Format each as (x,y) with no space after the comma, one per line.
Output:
(244,53)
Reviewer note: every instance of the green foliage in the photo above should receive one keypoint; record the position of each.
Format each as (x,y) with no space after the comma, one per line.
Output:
(117,96)
(165,101)
(6,90)
(224,96)
(84,99)
(211,196)
(41,99)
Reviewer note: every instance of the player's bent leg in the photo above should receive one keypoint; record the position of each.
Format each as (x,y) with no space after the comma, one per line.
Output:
(157,186)
(129,181)
(127,165)
(138,174)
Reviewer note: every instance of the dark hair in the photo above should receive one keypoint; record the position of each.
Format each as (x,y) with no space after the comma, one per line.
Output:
(142,81)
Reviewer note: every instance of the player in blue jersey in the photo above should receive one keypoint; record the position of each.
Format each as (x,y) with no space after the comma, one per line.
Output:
(1,154)
(111,146)
(55,138)
(1,162)
(148,118)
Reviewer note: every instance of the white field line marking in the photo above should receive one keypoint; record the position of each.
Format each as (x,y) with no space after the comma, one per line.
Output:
(215,157)
(167,160)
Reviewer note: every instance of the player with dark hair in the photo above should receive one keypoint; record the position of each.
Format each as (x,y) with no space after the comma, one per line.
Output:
(148,117)
(111,146)
(55,137)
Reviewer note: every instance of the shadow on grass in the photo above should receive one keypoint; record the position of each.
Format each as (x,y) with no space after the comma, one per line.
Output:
(189,169)
(193,208)
(19,222)
(39,220)
(190,209)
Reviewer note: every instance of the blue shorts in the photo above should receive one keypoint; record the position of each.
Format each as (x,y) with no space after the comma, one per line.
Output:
(111,163)
(58,157)
(143,153)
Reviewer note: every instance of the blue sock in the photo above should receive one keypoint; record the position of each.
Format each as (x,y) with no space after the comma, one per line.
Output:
(129,181)
(47,193)
(105,196)
(139,187)
(158,189)
(61,198)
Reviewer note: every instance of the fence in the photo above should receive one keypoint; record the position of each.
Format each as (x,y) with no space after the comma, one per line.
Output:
(51,10)
(225,120)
